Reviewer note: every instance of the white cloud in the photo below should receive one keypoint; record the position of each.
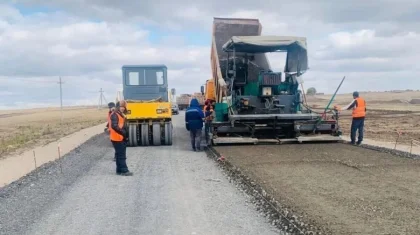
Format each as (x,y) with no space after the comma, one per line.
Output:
(375,52)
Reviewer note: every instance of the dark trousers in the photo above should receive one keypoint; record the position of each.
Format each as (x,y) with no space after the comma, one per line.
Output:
(120,157)
(195,136)
(357,124)
(207,130)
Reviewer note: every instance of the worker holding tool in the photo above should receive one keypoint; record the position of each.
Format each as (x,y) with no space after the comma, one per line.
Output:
(118,133)
(194,118)
(111,106)
(358,105)
(208,111)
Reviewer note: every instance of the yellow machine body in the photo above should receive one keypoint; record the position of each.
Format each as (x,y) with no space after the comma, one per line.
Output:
(155,111)
(210,91)
(149,112)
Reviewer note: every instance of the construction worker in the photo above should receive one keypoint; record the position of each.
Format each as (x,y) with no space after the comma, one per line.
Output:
(358,105)
(111,106)
(194,118)
(208,113)
(118,134)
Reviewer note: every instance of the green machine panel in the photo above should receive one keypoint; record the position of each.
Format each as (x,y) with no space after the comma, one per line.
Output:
(221,110)
(252,89)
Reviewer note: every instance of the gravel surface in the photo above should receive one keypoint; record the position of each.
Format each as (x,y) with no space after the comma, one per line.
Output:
(173,191)
(338,188)
(26,200)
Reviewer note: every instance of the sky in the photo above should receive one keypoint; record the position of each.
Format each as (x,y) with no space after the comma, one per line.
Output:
(375,44)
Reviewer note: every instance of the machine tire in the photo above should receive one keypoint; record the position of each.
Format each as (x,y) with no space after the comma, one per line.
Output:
(135,135)
(156,134)
(132,135)
(168,133)
(144,134)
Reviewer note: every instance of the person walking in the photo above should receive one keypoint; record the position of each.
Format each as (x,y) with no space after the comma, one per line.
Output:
(194,118)
(118,134)
(358,105)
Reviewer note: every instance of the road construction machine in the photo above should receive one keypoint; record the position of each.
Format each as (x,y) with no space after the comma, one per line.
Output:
(149,114)
(254,104)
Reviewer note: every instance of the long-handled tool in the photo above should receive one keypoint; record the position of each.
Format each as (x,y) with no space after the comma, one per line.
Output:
(324,115)
(332,98)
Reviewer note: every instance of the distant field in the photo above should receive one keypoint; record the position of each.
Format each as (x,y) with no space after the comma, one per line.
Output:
(22,129)
(387,113)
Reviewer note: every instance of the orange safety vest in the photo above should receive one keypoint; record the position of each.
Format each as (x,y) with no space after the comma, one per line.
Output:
(360,109)
(113,135)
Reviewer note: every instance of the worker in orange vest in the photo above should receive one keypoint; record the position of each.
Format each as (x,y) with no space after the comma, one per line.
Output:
(358,105)
(111,106)
(118,134)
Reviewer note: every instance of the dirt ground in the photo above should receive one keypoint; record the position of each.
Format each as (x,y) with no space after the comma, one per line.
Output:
(22,129)
(345,189)
(388,113)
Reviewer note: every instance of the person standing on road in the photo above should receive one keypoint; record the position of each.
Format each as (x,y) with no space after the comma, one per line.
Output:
(194,117)
(358,105)
(119,136)
(111,106)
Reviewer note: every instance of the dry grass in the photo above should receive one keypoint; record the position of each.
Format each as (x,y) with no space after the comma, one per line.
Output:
(22,129)
(388,112)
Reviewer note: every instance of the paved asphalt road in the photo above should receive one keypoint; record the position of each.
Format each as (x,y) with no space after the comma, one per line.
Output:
(173,191)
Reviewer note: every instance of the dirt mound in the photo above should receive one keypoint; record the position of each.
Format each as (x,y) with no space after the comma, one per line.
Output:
(415,101)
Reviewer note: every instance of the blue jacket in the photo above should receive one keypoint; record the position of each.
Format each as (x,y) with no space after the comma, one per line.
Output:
(194,116)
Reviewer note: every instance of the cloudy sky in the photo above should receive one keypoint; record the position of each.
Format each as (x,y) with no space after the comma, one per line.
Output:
(375,44)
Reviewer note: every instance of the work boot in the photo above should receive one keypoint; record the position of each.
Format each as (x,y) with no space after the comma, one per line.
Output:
(128,173)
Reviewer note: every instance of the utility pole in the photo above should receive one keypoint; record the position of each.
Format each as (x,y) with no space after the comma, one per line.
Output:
(101,96)
(61,98)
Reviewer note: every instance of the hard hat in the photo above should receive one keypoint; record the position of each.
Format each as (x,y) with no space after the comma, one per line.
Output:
(111,105)
(356,94)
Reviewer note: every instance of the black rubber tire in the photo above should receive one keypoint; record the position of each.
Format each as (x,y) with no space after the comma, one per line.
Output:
(156,130)
(144,134)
